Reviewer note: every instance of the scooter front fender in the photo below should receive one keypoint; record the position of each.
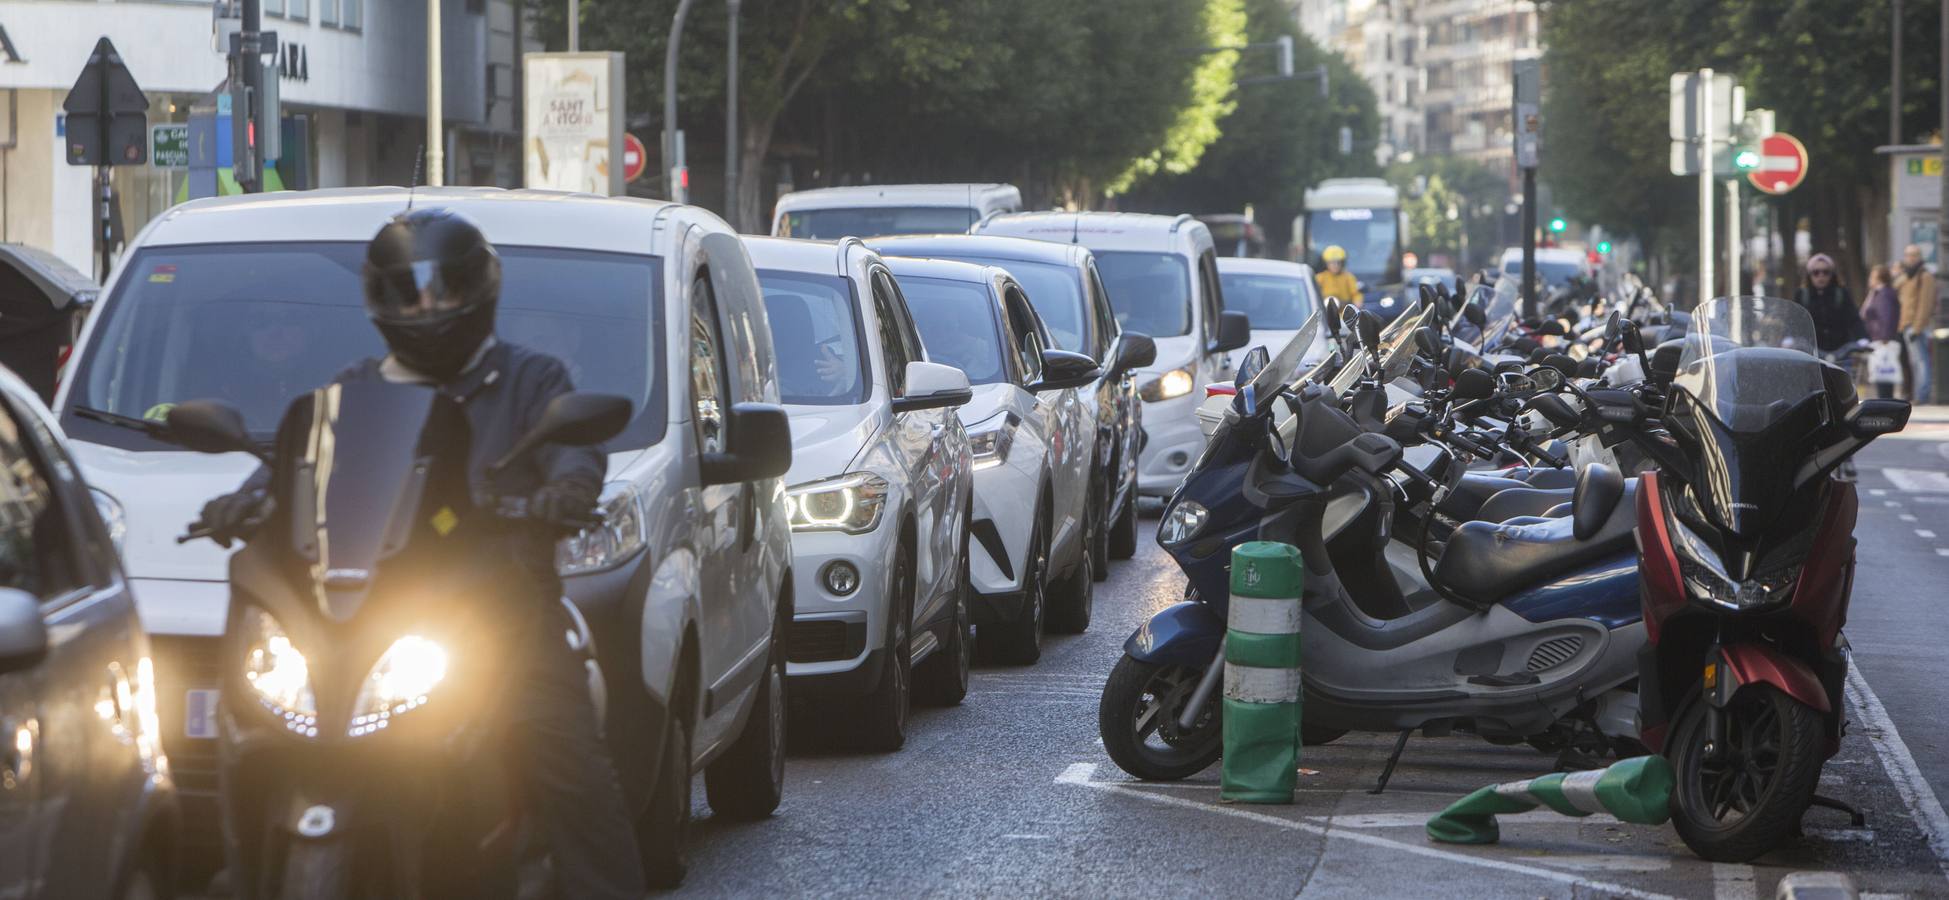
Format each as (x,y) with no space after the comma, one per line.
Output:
(1186,633)
(1745,664)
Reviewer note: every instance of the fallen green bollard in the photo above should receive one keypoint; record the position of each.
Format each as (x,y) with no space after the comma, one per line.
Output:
(1636,790)
(1261,713)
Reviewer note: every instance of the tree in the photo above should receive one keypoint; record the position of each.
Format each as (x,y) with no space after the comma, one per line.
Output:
(1445,198)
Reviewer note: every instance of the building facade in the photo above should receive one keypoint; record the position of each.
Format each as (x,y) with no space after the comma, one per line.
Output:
(352,82)
(1380,40)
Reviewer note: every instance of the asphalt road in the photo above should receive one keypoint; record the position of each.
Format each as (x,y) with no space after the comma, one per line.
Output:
(1011,793)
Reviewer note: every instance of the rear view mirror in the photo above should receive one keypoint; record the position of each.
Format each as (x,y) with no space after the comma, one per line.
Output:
(23,633)
(1333,313)
(1134,351)
(935,386)
(1369,330)
(1428,342)
(1473,312)
(1612,328)
(759,436)
(1561,363)
(1874,418)
(1590,367)
(1551,327)
(1473,384)
(1255,362)
(575,419)
(1234,331)
(1060,369)
(1557,410)
(209,426)
(1664,360)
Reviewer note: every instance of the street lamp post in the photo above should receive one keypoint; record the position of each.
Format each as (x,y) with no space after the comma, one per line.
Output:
(574,26)
(436,157)
(670,99)
(732,158)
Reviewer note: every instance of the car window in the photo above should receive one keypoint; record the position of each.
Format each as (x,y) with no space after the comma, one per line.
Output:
(1272,301)
(894,342)
(877,221)
(1106,320)
(958,324)
(1150,292)
(1024,334)
(1054,290)
(36,543)
(1214,297)
(816,337)
(706,368)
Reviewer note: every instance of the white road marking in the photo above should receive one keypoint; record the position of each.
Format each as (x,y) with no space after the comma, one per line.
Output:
(1897,504)
(1843,835)
(1915,792)
(1079,774)
(1733,881)
(1606,862)
(1911,481)
(1877,492)
(1418,820)
(1924,533)
(1027,837)
(1906,517)
(1942,551)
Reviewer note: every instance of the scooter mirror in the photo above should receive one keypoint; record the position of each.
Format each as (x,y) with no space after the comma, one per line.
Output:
(1350,321)
(209,426)
(1561,363)
(1370,330)
(1474,384)
(1876,417)
(1590,367)
(575,419)
(1476,316)
(1612,327)
(1546,378)
(1551,327)
(1428,342)
(1333,307)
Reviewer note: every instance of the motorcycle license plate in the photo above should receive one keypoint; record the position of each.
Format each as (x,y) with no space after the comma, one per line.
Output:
(200,714)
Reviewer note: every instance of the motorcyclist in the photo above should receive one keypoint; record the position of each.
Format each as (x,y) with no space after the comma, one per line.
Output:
(1336,281)
(432,282)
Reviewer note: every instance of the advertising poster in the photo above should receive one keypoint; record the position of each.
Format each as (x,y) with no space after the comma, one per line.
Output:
(572,130)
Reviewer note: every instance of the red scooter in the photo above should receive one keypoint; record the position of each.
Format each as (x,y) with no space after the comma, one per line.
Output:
(1746,540)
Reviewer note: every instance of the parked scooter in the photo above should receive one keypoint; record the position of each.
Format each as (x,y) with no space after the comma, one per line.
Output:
(368,626)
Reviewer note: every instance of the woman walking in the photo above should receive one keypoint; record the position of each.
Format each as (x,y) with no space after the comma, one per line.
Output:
(1882,317)
(1836,320)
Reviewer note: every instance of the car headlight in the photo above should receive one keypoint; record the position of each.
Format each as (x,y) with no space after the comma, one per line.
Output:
(277,671)
(1175,383)
(624,530)
(848,503)
(112,517)
(1387,302)
(400,681)
(990,447)
(1183,522)
(1705,574)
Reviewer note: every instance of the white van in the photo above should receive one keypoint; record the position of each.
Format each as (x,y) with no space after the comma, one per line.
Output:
(878,210)
(1555,266)
(1162,277)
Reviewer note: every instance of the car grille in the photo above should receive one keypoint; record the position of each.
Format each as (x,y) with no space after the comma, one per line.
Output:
(823,640)
(1554,652)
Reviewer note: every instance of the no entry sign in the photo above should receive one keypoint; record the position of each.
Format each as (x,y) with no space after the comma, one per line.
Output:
(634,157)
(1782,166)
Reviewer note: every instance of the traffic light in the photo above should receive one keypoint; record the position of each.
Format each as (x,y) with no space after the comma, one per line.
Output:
(1746,159)
(1604,247)
(1557,225)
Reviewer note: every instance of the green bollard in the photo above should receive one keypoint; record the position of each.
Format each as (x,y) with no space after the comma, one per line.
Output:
(1636,790)
(1261,720)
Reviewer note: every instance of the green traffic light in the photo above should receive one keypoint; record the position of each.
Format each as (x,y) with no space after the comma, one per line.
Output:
(1604,247)
(1558,224)
(1746,159)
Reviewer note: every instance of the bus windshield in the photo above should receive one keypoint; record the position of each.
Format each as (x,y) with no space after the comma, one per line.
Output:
(1368,234)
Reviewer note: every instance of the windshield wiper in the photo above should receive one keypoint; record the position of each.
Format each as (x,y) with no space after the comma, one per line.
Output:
(153,429)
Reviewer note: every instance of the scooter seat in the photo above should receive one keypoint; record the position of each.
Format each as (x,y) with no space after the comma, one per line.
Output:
(1475,489)
(1488,561)
(1523,501)
(1546,477)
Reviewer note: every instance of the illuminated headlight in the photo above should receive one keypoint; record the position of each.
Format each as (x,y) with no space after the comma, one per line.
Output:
(1705,574)
(621,534)
(1175,383)
(849,503)
(277,671)
(1183,522)
(405,674)
(112,517)
(149,742)
(990,447)
(1387,302)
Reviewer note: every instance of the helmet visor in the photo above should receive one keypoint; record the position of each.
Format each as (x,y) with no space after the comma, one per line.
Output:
(425,290)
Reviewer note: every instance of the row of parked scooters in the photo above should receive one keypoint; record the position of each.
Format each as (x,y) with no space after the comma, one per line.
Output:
(1622,532)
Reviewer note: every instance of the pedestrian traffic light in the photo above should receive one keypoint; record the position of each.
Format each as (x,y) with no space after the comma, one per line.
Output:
(1746,160)
(1557,225)
(1604,247)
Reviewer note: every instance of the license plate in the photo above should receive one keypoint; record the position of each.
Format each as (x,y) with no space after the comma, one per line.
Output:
(200,714)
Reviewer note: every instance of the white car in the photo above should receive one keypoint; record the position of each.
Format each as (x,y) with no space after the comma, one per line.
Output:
(875,210)
(880,489)
(1162,277)
(1029,561)
(687,585)
(1278,296)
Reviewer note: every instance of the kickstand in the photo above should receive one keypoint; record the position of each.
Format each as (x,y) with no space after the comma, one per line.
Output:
(1387,771)
(1857,819)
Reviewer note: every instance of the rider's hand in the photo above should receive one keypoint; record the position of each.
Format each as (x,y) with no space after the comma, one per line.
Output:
(235,516)
(569,504)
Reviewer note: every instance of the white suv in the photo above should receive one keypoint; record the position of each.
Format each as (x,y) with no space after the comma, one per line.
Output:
(252,300)
(1030,559)
(1162,278)
(874,210)
(880,489)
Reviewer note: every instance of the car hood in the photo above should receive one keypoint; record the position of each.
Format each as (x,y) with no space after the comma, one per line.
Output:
(826,439)
(161,492)
(989,401)
(1172,353)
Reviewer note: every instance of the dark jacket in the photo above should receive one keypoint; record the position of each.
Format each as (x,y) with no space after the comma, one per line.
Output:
(1882,314)
(1836,319)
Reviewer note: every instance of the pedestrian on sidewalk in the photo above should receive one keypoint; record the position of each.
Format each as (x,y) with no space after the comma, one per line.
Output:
(1882,316)
(1836,320)
(1915,284)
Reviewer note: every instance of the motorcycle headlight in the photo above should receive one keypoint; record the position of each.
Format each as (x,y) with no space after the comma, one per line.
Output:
(849,503)
(623,532)
(1705,574)
(112,517)
(990,447)
(1175,383)
(400,681)
(1183,522)
(277,672)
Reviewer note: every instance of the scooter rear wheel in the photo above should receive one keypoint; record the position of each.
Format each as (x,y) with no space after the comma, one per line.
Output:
(1138,718)
(1746,799)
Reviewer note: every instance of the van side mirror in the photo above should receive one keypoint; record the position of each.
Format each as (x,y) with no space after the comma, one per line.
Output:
(575,419)
(1062,369)
(758,438)
(1135,350)
(1876,417)
(1234,331)
(209,426)
(934,386)
(23,633)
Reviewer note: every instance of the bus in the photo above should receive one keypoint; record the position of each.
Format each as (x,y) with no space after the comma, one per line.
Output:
(1362,216)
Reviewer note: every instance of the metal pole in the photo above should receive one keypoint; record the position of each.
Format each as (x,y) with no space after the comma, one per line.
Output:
(1706,200)
(436,138)
(575,26)
(250,65)
(670,99)
(733,210)
(1732,238)
(1529,242)
(1942,220)
(1895,77)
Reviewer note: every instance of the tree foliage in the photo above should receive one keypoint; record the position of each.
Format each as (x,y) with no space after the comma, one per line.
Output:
(1448,197)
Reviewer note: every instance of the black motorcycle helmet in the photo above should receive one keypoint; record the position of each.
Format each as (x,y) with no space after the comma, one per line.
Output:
(431,284)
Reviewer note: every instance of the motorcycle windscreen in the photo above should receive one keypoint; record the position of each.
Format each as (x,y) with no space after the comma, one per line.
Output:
(362,471)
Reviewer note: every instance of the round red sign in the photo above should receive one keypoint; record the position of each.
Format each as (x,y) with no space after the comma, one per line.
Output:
(635,158)
(1782,165)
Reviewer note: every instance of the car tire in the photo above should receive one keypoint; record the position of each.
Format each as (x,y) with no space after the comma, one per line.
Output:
(1071,599)
(885,726)
(662,831)
(1123,532)
(748,781)
(1020,642)
(943,679)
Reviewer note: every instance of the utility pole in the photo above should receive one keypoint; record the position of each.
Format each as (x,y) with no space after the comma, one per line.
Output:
(575,26)
(1706,200)
(250,68)
(1732,237)
(1895,77)
(1942,220)
(436,133)
(733,210)
(1527,80)
(670,162)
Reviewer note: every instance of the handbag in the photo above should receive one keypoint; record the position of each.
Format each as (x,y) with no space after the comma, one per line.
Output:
(1885,363)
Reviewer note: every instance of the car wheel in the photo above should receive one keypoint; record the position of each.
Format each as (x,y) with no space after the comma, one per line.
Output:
(748,782)
(1123,532)
(885,728)
(1020,641)
(943,678)
(1071,598)
(662,829)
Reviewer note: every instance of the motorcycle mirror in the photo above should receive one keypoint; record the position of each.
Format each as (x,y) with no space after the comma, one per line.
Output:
(209,426)
(1428,342)
(1370,330)
(1249,368)
(575,419)
(1612,326)
(1561,363)
(1557,410)
(1590,367)
(1546,378)
(1473,384)
(1537,355)
(1876,417)
(1551,327)
(1333,308)
(1350,320)
(1664,360)
(1474,313)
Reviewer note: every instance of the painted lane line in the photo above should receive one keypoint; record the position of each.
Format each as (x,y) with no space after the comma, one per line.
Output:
(1896,504)
(1942,551)
(1906,517)
(1912,481)
(1924,533)
(1915,792)
(1606,862)
(1733,881)
(1877,492)
(1079,774)
(1843,835)
(1420,820)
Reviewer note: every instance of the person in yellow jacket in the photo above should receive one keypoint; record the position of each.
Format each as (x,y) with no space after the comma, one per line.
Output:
(1336,281)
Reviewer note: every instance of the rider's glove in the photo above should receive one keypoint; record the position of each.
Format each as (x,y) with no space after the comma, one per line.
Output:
(569,504)
(235,516)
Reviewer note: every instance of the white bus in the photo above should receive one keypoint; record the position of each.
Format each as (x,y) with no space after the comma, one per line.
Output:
(1362,216)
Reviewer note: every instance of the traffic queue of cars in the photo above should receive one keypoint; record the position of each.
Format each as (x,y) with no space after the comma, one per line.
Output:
(843,466)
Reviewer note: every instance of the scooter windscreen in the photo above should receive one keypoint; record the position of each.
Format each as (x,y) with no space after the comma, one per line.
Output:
(1283,367)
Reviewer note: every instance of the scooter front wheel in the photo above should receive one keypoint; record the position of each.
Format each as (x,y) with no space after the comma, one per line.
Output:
(1138,718)
(1736,802)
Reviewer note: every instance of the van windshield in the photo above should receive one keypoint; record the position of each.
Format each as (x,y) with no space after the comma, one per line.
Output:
(1549,273)
(254,325)
(878,221)
(1150,292)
